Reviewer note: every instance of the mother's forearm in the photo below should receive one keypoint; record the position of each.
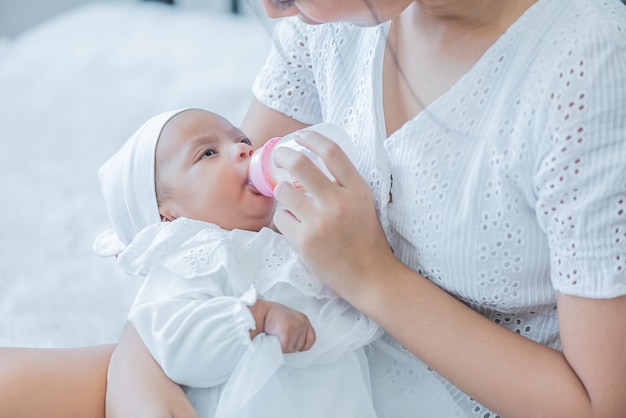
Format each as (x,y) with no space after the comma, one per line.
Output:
(508,373)
(53,383)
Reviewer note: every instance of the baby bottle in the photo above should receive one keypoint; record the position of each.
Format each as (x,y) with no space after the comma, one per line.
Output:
(265,175)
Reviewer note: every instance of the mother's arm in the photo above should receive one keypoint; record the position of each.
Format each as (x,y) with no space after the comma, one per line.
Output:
(137,385)
(71,383)
(53,383)
(262,123)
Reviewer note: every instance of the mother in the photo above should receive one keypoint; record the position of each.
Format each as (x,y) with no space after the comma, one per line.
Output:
(492,136)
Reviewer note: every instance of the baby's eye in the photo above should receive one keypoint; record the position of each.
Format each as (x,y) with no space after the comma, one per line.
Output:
(283,4)
(246,141)
(208,153)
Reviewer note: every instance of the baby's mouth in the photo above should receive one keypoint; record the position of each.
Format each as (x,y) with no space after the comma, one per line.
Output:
(252,188)
(249,184)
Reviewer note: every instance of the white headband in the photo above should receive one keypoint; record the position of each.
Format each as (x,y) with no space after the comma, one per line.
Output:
(127,181)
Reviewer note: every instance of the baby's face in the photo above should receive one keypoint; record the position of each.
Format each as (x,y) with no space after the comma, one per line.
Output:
(202,161)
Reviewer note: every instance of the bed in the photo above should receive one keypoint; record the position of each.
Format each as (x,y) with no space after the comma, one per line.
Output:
(71,91)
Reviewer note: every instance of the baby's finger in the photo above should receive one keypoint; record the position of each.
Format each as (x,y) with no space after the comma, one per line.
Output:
(287,344)
(310,339)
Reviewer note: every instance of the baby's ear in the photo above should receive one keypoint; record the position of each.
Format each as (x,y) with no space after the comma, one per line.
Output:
(168,210)
(166,214)
(165,218)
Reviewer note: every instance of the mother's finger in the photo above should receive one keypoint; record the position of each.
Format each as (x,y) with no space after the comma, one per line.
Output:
(337,160)
(311,178)
(287,221)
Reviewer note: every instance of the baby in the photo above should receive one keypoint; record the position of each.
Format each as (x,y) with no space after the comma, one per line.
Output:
(227,308)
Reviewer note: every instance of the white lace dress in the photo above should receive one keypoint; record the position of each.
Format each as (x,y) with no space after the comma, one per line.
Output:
(192,314)
(509,187)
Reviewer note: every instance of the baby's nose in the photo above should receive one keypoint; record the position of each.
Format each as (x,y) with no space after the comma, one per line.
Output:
(242,151)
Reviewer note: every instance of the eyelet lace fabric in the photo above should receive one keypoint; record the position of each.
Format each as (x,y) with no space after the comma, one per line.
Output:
(509,187)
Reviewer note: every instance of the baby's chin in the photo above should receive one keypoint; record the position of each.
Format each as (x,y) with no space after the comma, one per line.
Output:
(255,226)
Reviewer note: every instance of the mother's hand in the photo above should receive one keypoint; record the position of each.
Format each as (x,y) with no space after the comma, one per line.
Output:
(335,227)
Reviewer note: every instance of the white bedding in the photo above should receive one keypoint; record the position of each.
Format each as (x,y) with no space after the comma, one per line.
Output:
(71,91)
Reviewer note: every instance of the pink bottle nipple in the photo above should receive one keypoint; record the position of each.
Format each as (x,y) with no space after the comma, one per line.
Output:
(259,172)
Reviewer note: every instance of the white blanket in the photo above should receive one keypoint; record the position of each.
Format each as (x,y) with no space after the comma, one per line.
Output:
(71,91)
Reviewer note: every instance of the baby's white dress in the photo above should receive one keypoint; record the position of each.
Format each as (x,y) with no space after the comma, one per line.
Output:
(192,314)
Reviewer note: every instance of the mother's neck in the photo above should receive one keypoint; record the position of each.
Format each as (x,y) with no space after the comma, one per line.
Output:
(467,13)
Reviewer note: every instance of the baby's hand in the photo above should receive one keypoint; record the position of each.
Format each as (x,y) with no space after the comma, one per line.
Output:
(293,328)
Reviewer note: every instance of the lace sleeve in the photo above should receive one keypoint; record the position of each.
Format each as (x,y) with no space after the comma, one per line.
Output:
(580,180)
(286,82)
